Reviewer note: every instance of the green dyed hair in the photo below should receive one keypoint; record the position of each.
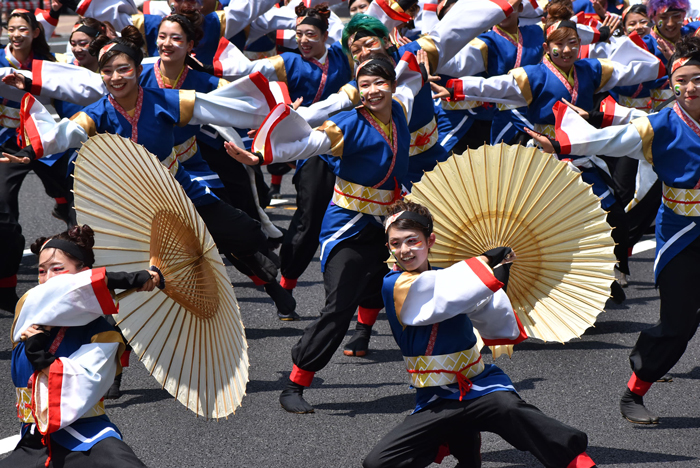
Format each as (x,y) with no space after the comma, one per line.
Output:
(362,22)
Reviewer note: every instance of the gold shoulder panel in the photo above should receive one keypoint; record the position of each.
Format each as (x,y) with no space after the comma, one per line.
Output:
(139,21)
(280,70)
(352,93)
(523,83)
(336,137)
(85,121)
(606,72)
(427,44)
(483,48)
(18,307)
(401,288)
(646,131)
(111,336)
(222,22)
(187,97)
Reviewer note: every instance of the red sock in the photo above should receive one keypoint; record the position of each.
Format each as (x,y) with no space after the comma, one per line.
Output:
(287,283)
(638,386)
(367,316)
(276,179)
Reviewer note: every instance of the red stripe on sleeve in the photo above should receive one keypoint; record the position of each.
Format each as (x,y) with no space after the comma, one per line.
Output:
(563,139)
(504,5)
(44,14)
(301,376)
(430,7)
(521,337)
(27,127)
(55,388)
(395,15)
(279,38)
(146,8)
(101,291)
(607,107)
(484,274)
(218,68)
(37,79)
(82,8)
(264,86)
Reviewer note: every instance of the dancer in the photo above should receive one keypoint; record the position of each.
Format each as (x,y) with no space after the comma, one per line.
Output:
(27,43)
(149,116)
(433,314)
(670,140)
(65,356)
(368,151)
(561,75)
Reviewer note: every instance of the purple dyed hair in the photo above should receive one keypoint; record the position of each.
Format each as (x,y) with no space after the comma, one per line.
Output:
(657,6)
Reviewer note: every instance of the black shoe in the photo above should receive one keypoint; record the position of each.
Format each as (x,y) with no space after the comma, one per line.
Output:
(633,409)
(114,391)
(666,378)
(275,191)
(617,294)
(284,301)
(65,213)
(8,299)
(292,399)
(359,343)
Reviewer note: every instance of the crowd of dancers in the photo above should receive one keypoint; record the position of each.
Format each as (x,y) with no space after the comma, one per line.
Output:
(358,110)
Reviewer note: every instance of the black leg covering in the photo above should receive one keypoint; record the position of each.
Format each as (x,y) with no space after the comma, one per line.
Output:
(616,220)
(353,275)
(659,348)
(415,441)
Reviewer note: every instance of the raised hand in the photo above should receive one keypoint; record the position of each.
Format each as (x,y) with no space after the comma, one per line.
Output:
(542,141)
(241,155)
(8,158)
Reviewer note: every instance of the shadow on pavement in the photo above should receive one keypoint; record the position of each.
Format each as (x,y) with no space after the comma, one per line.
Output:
(138,396)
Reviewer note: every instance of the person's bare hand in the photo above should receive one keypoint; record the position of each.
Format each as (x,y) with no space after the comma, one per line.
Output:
(665,49)
(8,158)
(439,92)
(612,22)
(576,109)
(151,284)
(241,155)
(541,140)
(16,80)
(422,58)
(599,9)
(515,4)
(56,5)
(297,103)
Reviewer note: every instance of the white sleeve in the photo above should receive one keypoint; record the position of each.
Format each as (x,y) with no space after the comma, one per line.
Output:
(65,301)
(242,104)
(631,73)
(240,13)
(73,386)
(273,20)
(468,61)
(10,92)
(501,89)
(49,24)
(495,318)
(66,82)
(231,64)
(577,136)
(438,295)
(318,112)
(117,12)
(285,136)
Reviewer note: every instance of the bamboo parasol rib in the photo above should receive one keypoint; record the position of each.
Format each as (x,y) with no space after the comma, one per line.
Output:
(189,335)
(521,198)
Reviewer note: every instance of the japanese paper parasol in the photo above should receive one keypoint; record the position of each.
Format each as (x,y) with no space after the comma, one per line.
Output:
(189,335)
(521,198)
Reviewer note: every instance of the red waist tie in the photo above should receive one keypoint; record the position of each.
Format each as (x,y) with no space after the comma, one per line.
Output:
(465,385)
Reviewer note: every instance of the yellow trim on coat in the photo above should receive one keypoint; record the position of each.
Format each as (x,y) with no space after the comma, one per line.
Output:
(427,44)
(646,131)
(187,98)
(523,83)
(139,20)
(335,134)
(483,48)
(280,69)
(606,73)
(401,288)
(85,121)
(352,93)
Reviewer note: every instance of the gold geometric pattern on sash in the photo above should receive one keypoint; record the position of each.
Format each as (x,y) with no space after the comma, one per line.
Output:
(660,95)
(427,135)
(636,103)
(547,130)
(171,162)
(684,202)
(186,150)
(461,105)
(9,117)
(356,197)
(24,410)
(449,362)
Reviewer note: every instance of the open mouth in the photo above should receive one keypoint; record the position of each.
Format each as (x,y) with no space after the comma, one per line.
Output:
(375,100)
(118,87)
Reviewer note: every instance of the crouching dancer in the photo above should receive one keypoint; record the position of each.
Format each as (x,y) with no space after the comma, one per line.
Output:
(432,314)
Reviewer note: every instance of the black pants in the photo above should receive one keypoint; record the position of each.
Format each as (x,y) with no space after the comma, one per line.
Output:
(660,347)
(107,453)
(617,220)
(415,442)
(314,182)
(624,175)
(640,217)
(233,230)
(239,192)
(353,277)
(11,178)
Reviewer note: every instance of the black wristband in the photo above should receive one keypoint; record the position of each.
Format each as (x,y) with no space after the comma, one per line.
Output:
(55,14)
(595,118)
(555,144)
(28,84)
(195,65)
(124,280)
(27,152)
(497,255)
(35,350)
(423,72)
(604,33)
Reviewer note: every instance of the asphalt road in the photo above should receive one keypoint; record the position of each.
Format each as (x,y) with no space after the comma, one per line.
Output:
(358,400)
